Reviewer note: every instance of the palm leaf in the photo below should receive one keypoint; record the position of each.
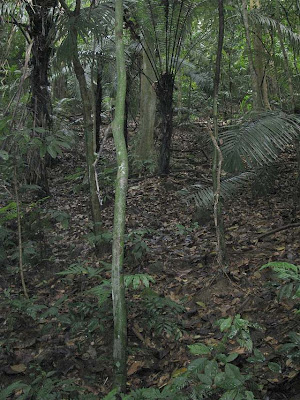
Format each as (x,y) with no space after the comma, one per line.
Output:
(204,198)
(258,142)
(265,21)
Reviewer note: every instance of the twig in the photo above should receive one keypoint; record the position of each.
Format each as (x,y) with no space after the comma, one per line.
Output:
(282,228)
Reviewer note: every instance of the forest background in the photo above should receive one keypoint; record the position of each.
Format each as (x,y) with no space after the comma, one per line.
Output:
(150,182)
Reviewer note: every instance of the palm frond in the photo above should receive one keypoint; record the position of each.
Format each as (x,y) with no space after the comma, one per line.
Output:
(258,142)
(204,198)
(91,20)
(165,24)
(268,22)
(202,78)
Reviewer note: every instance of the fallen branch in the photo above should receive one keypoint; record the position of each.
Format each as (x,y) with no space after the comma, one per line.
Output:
(282,228)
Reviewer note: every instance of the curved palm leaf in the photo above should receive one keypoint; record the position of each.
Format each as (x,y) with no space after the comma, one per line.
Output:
(204,198)
(258,142)
(269,22)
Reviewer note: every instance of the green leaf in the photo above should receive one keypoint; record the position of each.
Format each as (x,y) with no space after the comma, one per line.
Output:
(211,369)
(231,357)
(4,155)
(225,324)
(232,371)
(230,395)
(205,379)
(52,151)
(249,395)
(274,367)
(199,349)
(230,384)
(258,357)
(5,393)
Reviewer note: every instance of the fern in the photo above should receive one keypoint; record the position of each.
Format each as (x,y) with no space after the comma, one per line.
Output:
(138,280)
(102,292)
(162,314)
(290,274)
(79,269)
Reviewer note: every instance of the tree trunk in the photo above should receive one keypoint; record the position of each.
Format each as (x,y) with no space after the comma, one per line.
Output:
(98,105)
(260,70)
(145,146)
(287,69)
(90,142)
(164,91)
(257,98)
(118,290)
(40,30)
(217,157)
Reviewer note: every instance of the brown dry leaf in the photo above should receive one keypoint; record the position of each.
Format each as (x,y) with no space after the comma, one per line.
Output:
(239,350)
(135,367)
(19,368)
(271,340)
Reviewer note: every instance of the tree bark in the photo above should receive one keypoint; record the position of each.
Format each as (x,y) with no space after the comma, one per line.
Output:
(40,31)
(118,290)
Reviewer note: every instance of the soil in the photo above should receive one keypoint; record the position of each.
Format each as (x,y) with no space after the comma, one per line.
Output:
(179,253)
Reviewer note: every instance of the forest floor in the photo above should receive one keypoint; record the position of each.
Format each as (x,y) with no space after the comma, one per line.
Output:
(167,242)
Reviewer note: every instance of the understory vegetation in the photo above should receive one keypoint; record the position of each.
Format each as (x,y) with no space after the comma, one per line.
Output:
(149,209)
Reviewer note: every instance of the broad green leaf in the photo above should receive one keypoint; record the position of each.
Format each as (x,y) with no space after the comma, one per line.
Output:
(199,349)
(4,155)
(231,357)
(274,367)
(225,324)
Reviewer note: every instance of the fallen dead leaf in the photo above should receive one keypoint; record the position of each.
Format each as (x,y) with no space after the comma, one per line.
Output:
(19,368)
(135,367)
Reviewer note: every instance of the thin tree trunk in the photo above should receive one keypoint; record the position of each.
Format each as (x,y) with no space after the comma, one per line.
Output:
(145,146)
(98,105)
(286,68)
(257,98)
(165,88)
(89,140)
(259,61)
(89,128)
(118,290)
(217,157)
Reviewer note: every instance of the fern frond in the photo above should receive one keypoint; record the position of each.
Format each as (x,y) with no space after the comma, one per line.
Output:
(79,269)
(138,280)
(102,292)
